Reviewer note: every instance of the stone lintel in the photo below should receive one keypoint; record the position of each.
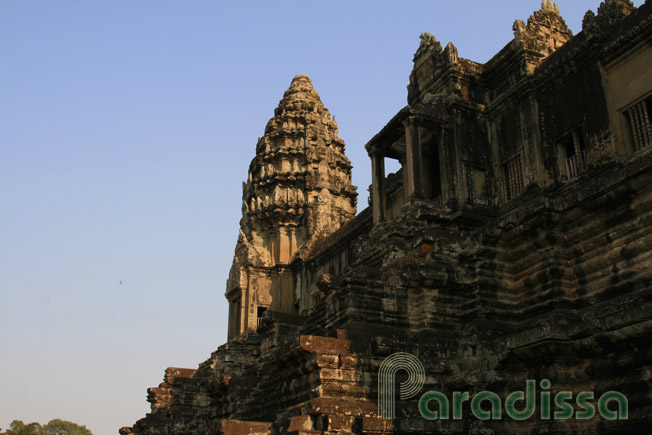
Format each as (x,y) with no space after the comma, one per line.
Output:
(325,345)
(237,427)
(339,406)
(391,133)
(173,373)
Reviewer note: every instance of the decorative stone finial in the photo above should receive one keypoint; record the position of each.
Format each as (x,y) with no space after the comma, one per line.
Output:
(451,53)
(545,31)
(300,88)
(609,12)
(301,80)
(548,5)
(428,38)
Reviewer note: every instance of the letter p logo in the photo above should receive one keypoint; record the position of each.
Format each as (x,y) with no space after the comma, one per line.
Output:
(387,374)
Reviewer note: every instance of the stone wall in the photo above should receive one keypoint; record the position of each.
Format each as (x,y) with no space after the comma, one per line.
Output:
(513,244)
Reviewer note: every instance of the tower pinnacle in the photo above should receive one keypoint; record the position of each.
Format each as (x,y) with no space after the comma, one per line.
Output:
(298,191)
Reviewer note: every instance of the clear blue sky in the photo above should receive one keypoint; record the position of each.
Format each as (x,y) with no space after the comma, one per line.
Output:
(126,130)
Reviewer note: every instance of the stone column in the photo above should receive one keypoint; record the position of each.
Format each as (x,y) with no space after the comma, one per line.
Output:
(279,288)
(237,319)
(293,241)
(378,194)
(414,158)
(230,332)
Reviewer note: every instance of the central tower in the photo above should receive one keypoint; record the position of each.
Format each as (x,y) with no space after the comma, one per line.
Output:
(298,191)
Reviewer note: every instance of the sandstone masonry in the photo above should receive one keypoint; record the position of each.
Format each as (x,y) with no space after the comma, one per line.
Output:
(514,243)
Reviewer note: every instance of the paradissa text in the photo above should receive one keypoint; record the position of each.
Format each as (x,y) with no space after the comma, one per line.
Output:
(527,402)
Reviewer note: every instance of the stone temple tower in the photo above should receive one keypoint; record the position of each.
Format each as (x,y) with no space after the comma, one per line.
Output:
(298,191)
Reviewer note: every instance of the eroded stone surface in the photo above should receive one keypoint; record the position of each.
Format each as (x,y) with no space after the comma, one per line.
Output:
(298,191)
(513,244)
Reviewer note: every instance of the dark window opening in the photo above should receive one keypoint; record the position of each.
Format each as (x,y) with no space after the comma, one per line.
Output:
(513,173)
(573,153)
(476,185)
(261,312)
(432,174)
(640,127)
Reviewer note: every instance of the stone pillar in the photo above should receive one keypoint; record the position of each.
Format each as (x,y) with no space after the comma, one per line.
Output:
(293,241)
(248,315)
(413,156)
(235,314)
(231,330)
(238,316)
(378,194)
(279,289)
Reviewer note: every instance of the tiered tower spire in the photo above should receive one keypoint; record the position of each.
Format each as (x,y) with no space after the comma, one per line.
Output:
(298,191)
